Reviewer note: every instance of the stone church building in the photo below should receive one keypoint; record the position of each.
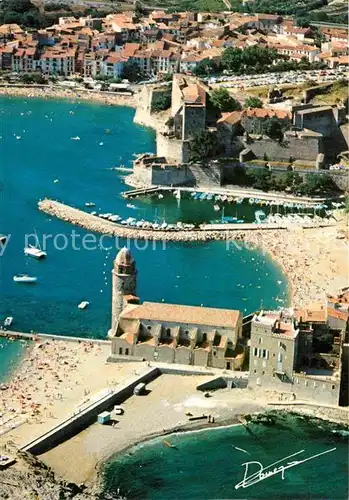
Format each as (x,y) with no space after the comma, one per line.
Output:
(170,333)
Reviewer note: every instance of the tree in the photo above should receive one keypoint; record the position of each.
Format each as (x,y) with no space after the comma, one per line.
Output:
(131,71)
(161,101)
(274,128)
(222,100)
(204,145)
(206,67)
(253,102)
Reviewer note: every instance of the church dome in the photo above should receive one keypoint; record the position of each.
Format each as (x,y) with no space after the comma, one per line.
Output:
(124,257)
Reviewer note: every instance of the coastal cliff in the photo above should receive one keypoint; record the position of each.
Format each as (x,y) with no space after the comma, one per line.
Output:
(29,478)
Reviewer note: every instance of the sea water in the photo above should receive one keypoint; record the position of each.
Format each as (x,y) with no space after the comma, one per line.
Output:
(39,159)
(208,465)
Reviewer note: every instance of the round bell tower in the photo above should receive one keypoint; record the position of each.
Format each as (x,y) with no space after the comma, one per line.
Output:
(123,283)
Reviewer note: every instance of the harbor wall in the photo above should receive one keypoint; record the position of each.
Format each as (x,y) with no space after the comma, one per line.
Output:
(71,426)
(205,233)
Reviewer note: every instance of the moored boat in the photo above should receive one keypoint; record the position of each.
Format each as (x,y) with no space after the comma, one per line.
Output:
(32,251)
(24,278)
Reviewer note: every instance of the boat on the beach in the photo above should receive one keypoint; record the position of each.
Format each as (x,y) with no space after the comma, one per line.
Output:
(37,253)
(24,278)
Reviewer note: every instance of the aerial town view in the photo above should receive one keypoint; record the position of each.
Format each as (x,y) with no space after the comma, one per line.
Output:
(174,249)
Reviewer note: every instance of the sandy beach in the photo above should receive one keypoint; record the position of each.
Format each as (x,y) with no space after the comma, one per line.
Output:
(56,92)
(54,380)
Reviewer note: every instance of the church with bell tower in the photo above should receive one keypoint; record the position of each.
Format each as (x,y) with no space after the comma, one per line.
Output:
(170,333)
(123,284)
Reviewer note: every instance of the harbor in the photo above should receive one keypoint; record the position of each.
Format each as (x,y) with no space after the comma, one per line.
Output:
(178,232)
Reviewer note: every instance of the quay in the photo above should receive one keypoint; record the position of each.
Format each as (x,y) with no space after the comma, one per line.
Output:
(13,335)
(236,192)
(205,232)
(85,417)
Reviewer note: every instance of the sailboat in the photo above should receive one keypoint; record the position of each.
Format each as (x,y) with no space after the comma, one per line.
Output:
(32,251)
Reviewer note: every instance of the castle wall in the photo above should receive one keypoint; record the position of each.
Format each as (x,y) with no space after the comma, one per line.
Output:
(194,120)
(322,122)
(172,149)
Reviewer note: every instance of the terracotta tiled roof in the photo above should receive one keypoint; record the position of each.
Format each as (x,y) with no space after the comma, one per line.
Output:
(182,314)
(314,313)
(335,313)
(267,113)
(230,118)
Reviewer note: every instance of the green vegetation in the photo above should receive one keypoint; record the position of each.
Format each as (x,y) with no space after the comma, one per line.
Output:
(254,59)
(253,102)
(206,67)
(131,72)
(161,101)
(222,100)
(196,6)
(263,178)
(26,14)
(203,146)
(274,128)
(37,78)
(304,10)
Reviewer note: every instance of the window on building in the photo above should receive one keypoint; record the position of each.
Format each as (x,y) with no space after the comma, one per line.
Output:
(333,387)
(254,371)
(204,337)
(263,372)
(280,357)
(149,327)
(255,351)
(186,332)
(168,332)
(120,350)
(126,352)
(260,340)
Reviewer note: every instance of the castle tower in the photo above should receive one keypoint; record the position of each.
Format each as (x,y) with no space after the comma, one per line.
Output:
(124,283)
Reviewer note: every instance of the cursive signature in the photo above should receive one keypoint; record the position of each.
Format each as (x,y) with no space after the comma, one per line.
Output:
(273,469)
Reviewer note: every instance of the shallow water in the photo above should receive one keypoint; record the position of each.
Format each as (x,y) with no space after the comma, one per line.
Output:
(206,464)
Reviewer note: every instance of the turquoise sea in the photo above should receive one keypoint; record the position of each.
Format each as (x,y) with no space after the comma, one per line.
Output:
(206,464)
(39,159)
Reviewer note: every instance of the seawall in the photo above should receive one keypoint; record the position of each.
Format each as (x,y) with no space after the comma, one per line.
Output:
(98,225)
(74,424)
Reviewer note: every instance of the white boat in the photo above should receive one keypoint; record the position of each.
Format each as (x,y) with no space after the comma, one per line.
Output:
(77,138)
(90,204)
(24,278)
(3,239)
(83,304)
(32,251)
(129,205)
(216,208)
(8,321)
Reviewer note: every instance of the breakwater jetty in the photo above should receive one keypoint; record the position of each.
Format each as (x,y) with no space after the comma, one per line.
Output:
(205,232)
